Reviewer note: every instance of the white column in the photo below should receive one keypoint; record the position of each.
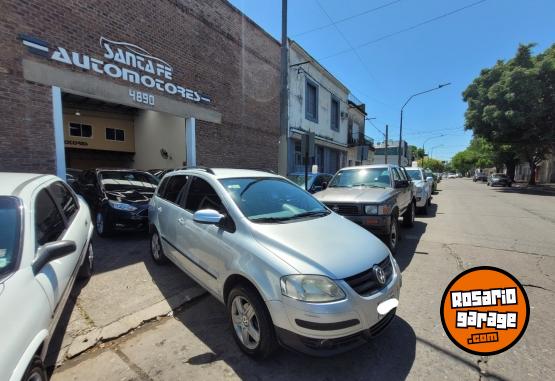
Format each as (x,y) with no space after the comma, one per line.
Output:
(57,120)
(190,141)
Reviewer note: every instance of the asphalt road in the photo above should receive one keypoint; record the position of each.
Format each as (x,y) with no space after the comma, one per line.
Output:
(469,225)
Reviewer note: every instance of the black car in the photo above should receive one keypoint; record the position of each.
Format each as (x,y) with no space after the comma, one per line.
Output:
(499,179)
(118,197)
(315,181)
(480,177)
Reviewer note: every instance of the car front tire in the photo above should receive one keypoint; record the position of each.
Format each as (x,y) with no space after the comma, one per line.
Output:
(251,322)
(35,371)
(102,224)
(156,249)
(408,216)
(86,269)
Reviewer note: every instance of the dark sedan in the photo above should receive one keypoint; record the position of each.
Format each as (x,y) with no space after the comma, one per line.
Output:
(118,198)
(499,179)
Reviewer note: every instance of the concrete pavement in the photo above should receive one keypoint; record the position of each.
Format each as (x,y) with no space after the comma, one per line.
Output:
(469,225)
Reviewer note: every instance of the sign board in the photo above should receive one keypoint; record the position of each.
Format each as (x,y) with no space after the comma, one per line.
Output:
(121,60)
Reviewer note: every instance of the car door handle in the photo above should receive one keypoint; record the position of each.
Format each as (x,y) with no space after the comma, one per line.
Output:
(181,220)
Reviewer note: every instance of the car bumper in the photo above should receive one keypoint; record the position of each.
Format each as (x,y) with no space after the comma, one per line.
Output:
(123,220)
(378,225)
(325,329)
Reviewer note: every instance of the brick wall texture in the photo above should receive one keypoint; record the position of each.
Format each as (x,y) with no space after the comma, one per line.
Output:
(212,47)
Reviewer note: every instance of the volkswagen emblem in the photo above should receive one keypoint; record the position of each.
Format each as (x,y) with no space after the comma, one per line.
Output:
(379,274)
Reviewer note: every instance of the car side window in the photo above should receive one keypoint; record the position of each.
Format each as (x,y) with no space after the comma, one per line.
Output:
(172,190)
(64,198)
(395,173)
(49,223)
(201,195)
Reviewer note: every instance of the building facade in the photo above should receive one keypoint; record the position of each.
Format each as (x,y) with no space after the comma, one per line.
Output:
(380,156)
(116,84)
(318,103)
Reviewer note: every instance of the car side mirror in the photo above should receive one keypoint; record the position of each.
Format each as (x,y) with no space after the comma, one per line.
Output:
(208,216)
(401,183)
(51,251)
(324,185)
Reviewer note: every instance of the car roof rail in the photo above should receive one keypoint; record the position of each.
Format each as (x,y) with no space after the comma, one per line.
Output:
(206,169)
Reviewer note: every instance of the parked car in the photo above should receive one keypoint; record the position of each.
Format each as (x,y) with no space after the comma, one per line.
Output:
(499,179)
(44,245)
(423,188)
(373,196)
(270,252)
(480,176)
(315,181)
(118,198)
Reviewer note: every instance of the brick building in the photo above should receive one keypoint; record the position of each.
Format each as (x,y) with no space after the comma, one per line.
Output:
(115,83)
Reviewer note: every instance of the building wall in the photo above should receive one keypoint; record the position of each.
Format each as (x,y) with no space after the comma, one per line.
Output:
(211,46)
(99,122)
(328,139)
(155,131)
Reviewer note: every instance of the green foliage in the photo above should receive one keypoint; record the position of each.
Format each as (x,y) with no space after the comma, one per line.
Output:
(511,106)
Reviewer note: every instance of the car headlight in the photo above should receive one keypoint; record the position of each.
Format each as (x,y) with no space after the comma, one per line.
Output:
(311,288)
(371,209)
(122,206)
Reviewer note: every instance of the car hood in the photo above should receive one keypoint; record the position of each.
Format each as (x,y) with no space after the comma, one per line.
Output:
(358,194)
(133,196)
(332,245)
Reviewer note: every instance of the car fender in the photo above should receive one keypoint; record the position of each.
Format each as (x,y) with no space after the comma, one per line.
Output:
(27,356)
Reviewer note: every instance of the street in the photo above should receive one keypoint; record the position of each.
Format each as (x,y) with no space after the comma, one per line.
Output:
(468,225)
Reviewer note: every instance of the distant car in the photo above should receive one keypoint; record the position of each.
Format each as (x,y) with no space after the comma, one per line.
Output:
(316,181)
(373,196)
(423,188)
(499,179)
(480,176)
(118,198)
(288,270)
(44,246)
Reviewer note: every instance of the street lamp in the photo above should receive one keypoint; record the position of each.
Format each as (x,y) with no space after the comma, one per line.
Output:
(401,124)
(425,141)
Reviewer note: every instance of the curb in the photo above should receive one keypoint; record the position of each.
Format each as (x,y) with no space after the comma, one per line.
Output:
(128,323)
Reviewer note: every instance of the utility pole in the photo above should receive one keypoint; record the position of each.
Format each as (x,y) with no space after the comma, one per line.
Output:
(386,143)
(284,95)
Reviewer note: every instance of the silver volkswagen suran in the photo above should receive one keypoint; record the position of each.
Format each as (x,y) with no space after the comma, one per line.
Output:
(289,270)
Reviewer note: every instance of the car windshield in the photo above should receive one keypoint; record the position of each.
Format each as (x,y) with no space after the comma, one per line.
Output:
(122,180)
(364,177)
(270,199)
(414,174)
(299,179)
(9,234)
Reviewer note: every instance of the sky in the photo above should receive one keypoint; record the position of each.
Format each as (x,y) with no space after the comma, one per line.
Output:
(386,50)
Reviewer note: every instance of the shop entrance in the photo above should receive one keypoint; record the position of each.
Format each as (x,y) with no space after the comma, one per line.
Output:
(103,134)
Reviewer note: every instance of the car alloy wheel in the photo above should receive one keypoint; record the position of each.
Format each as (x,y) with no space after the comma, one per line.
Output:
(245,322)
(100,223)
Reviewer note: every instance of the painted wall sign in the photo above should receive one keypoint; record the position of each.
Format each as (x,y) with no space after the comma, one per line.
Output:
(120,60)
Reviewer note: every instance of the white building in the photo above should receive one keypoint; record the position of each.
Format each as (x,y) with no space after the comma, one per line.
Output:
(392,153)
(318,103)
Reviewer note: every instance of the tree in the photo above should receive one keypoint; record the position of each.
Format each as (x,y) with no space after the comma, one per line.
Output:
(511,106)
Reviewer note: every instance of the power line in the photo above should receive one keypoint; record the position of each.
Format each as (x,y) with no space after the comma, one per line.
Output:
(347,18)
(365,67)
(412,27)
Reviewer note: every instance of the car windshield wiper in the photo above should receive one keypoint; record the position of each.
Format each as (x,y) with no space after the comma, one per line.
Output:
(310,214)
(366,185)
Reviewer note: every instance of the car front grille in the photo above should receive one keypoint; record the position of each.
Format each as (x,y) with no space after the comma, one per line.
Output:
(366,284)
(345,209)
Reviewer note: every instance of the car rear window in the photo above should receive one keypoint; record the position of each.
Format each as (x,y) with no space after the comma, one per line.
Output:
(10,221)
